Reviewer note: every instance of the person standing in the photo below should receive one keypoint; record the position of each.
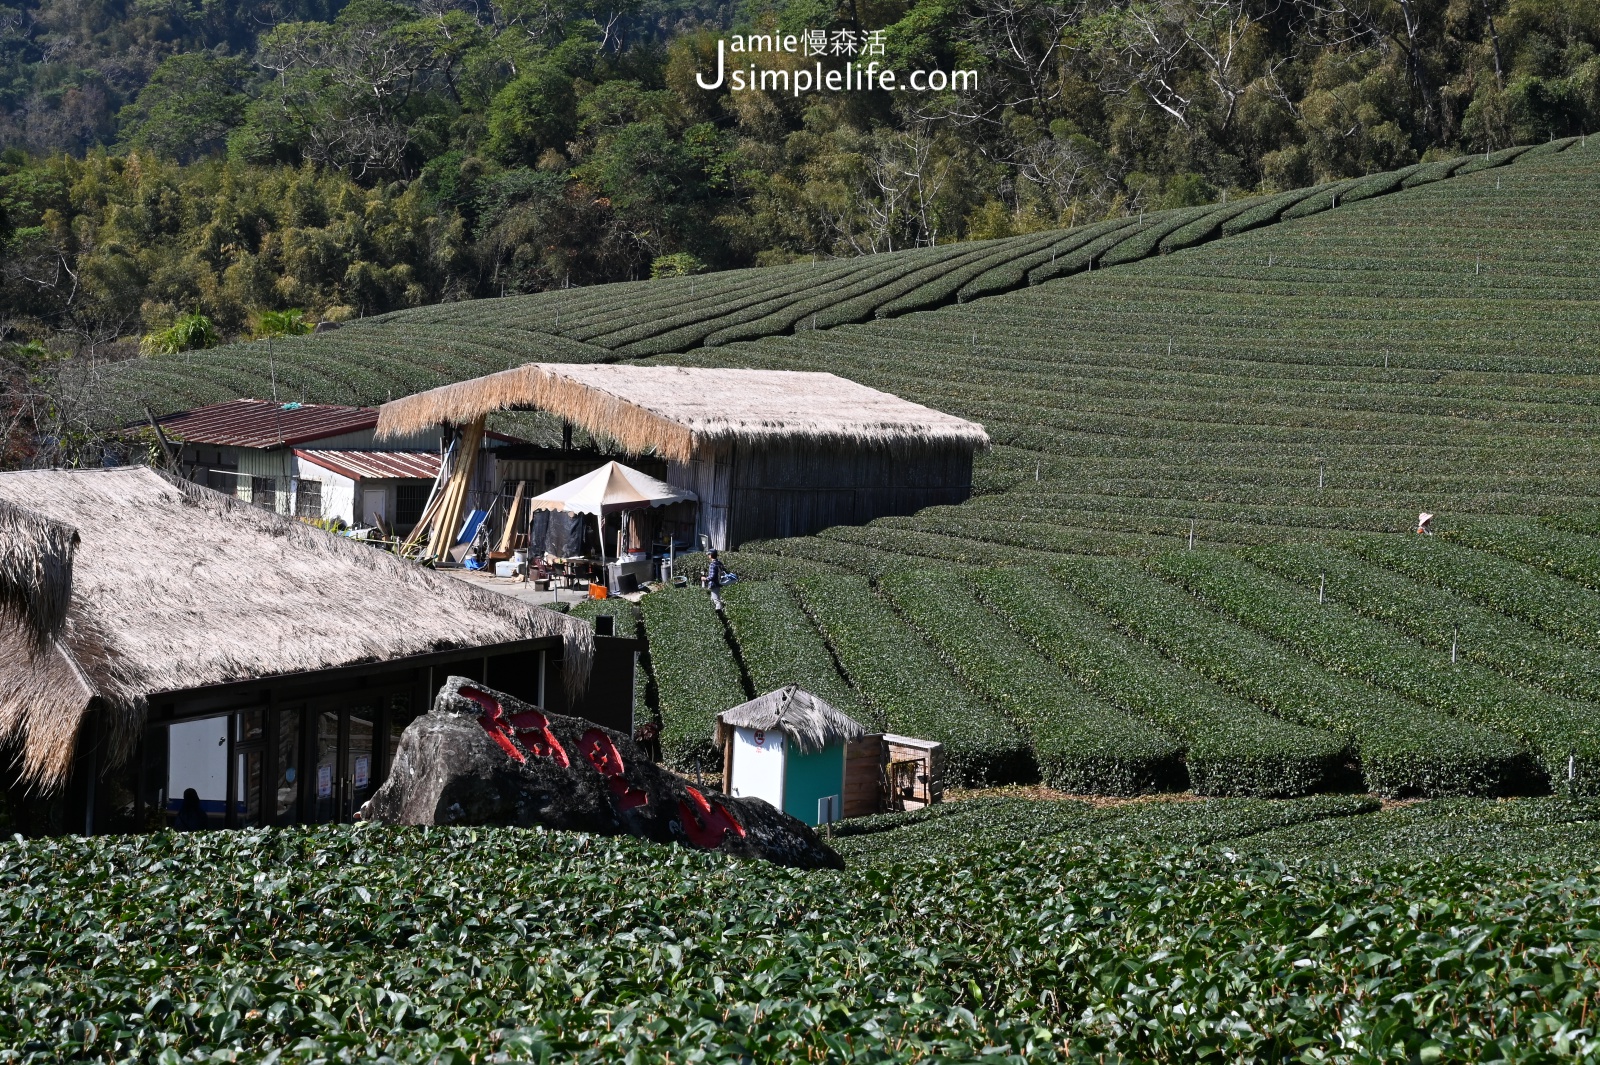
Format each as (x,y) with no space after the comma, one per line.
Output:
(715,574)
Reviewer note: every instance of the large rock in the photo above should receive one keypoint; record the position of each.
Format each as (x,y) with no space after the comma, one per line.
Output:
(481,757)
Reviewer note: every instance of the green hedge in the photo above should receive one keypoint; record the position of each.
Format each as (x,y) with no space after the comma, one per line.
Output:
(1014,272)
(780,645)
(1349,644)
(1437,617)
(1404,749)
(1081,742)
(1560,607)
(911,691)
(695,672)
(1231,747)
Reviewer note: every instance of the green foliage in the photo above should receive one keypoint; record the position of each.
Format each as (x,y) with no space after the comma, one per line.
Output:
(781,646)
(696,676)
(1343,641)
(678,264)
(1231,747)
(190,332)
(281,324)
(1560,607)
(1403,748)
(189,106)
(944,940)
(1441,618)
(1082,743)
(910,691)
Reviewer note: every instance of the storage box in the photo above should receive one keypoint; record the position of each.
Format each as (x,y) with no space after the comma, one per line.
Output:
(505,569)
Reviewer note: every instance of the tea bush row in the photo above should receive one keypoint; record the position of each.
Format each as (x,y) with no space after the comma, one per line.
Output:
(1230,747)
(1404,749)
(1081,742)
(1554,728)
(910,690)
(696,676)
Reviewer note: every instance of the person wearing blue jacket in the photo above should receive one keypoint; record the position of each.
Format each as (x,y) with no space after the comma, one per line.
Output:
(716,573)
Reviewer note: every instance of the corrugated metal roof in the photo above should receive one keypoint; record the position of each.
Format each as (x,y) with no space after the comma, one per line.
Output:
(372,465)
(262,423)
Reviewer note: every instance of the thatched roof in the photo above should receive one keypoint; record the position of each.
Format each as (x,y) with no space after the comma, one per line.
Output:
(35,571)
(808,721)
(673,410)
(174,586)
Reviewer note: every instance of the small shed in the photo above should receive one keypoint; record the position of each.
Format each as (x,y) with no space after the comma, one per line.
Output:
(791,748)
(768,453)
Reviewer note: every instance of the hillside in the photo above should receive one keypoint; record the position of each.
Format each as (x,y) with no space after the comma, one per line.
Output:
(1296,389)
(374,359)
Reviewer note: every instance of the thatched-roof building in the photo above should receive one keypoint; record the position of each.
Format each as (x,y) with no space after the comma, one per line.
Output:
(157,636)
(767,452)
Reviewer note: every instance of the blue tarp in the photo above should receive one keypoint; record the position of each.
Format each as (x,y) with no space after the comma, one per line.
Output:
(469,529)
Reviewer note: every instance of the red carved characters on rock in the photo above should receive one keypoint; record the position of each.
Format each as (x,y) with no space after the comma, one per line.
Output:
(607,761)
(705,823)
(530,727)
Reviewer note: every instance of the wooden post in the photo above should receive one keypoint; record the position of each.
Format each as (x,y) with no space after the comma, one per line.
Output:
(512,518)
(449,518)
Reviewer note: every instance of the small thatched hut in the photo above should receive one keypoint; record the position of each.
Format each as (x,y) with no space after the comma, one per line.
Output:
(792,749)
(768,453)
(157,637)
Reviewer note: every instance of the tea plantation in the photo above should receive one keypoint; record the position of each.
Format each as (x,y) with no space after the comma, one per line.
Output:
(995,930)
(1182,568)
(1184,574)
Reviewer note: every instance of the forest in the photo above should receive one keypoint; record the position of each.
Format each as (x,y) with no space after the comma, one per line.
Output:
(189,171)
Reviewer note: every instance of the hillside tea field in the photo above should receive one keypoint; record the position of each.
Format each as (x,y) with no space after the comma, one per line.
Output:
(1459,664)
(1183,567)
(1001,930)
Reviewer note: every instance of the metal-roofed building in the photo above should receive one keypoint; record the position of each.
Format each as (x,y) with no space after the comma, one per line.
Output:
(311,460)
(358,486)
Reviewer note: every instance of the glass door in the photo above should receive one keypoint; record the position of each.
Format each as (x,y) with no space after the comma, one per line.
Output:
(344,776)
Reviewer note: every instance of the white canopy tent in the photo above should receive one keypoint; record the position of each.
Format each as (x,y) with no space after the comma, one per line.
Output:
(611,489)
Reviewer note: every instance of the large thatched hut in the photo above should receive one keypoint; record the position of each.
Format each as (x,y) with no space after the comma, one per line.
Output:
(768,453)
(158,637)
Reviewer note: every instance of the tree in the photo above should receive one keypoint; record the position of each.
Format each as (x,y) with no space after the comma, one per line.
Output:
(189,106)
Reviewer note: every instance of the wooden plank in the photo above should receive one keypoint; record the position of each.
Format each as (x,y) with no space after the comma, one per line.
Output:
(863,777)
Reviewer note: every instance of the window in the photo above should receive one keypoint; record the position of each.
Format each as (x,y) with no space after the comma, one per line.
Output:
(308,500)
(223,481)
(409,499)
(264,492)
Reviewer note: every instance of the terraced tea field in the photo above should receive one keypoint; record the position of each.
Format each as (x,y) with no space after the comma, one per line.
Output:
(1402,665)
(1291,378)
(407,351)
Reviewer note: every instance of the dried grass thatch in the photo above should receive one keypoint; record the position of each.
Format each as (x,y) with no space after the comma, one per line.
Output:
(809,721)
(174,586)
(674,410)
(35,571)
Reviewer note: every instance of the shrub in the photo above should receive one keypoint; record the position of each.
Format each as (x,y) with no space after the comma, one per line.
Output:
(1404,749)
(1231,747)
(910,691)
(1081,742)
(695,672)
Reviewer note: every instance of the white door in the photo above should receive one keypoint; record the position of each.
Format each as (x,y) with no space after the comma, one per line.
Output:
(758,765)
(374,506)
